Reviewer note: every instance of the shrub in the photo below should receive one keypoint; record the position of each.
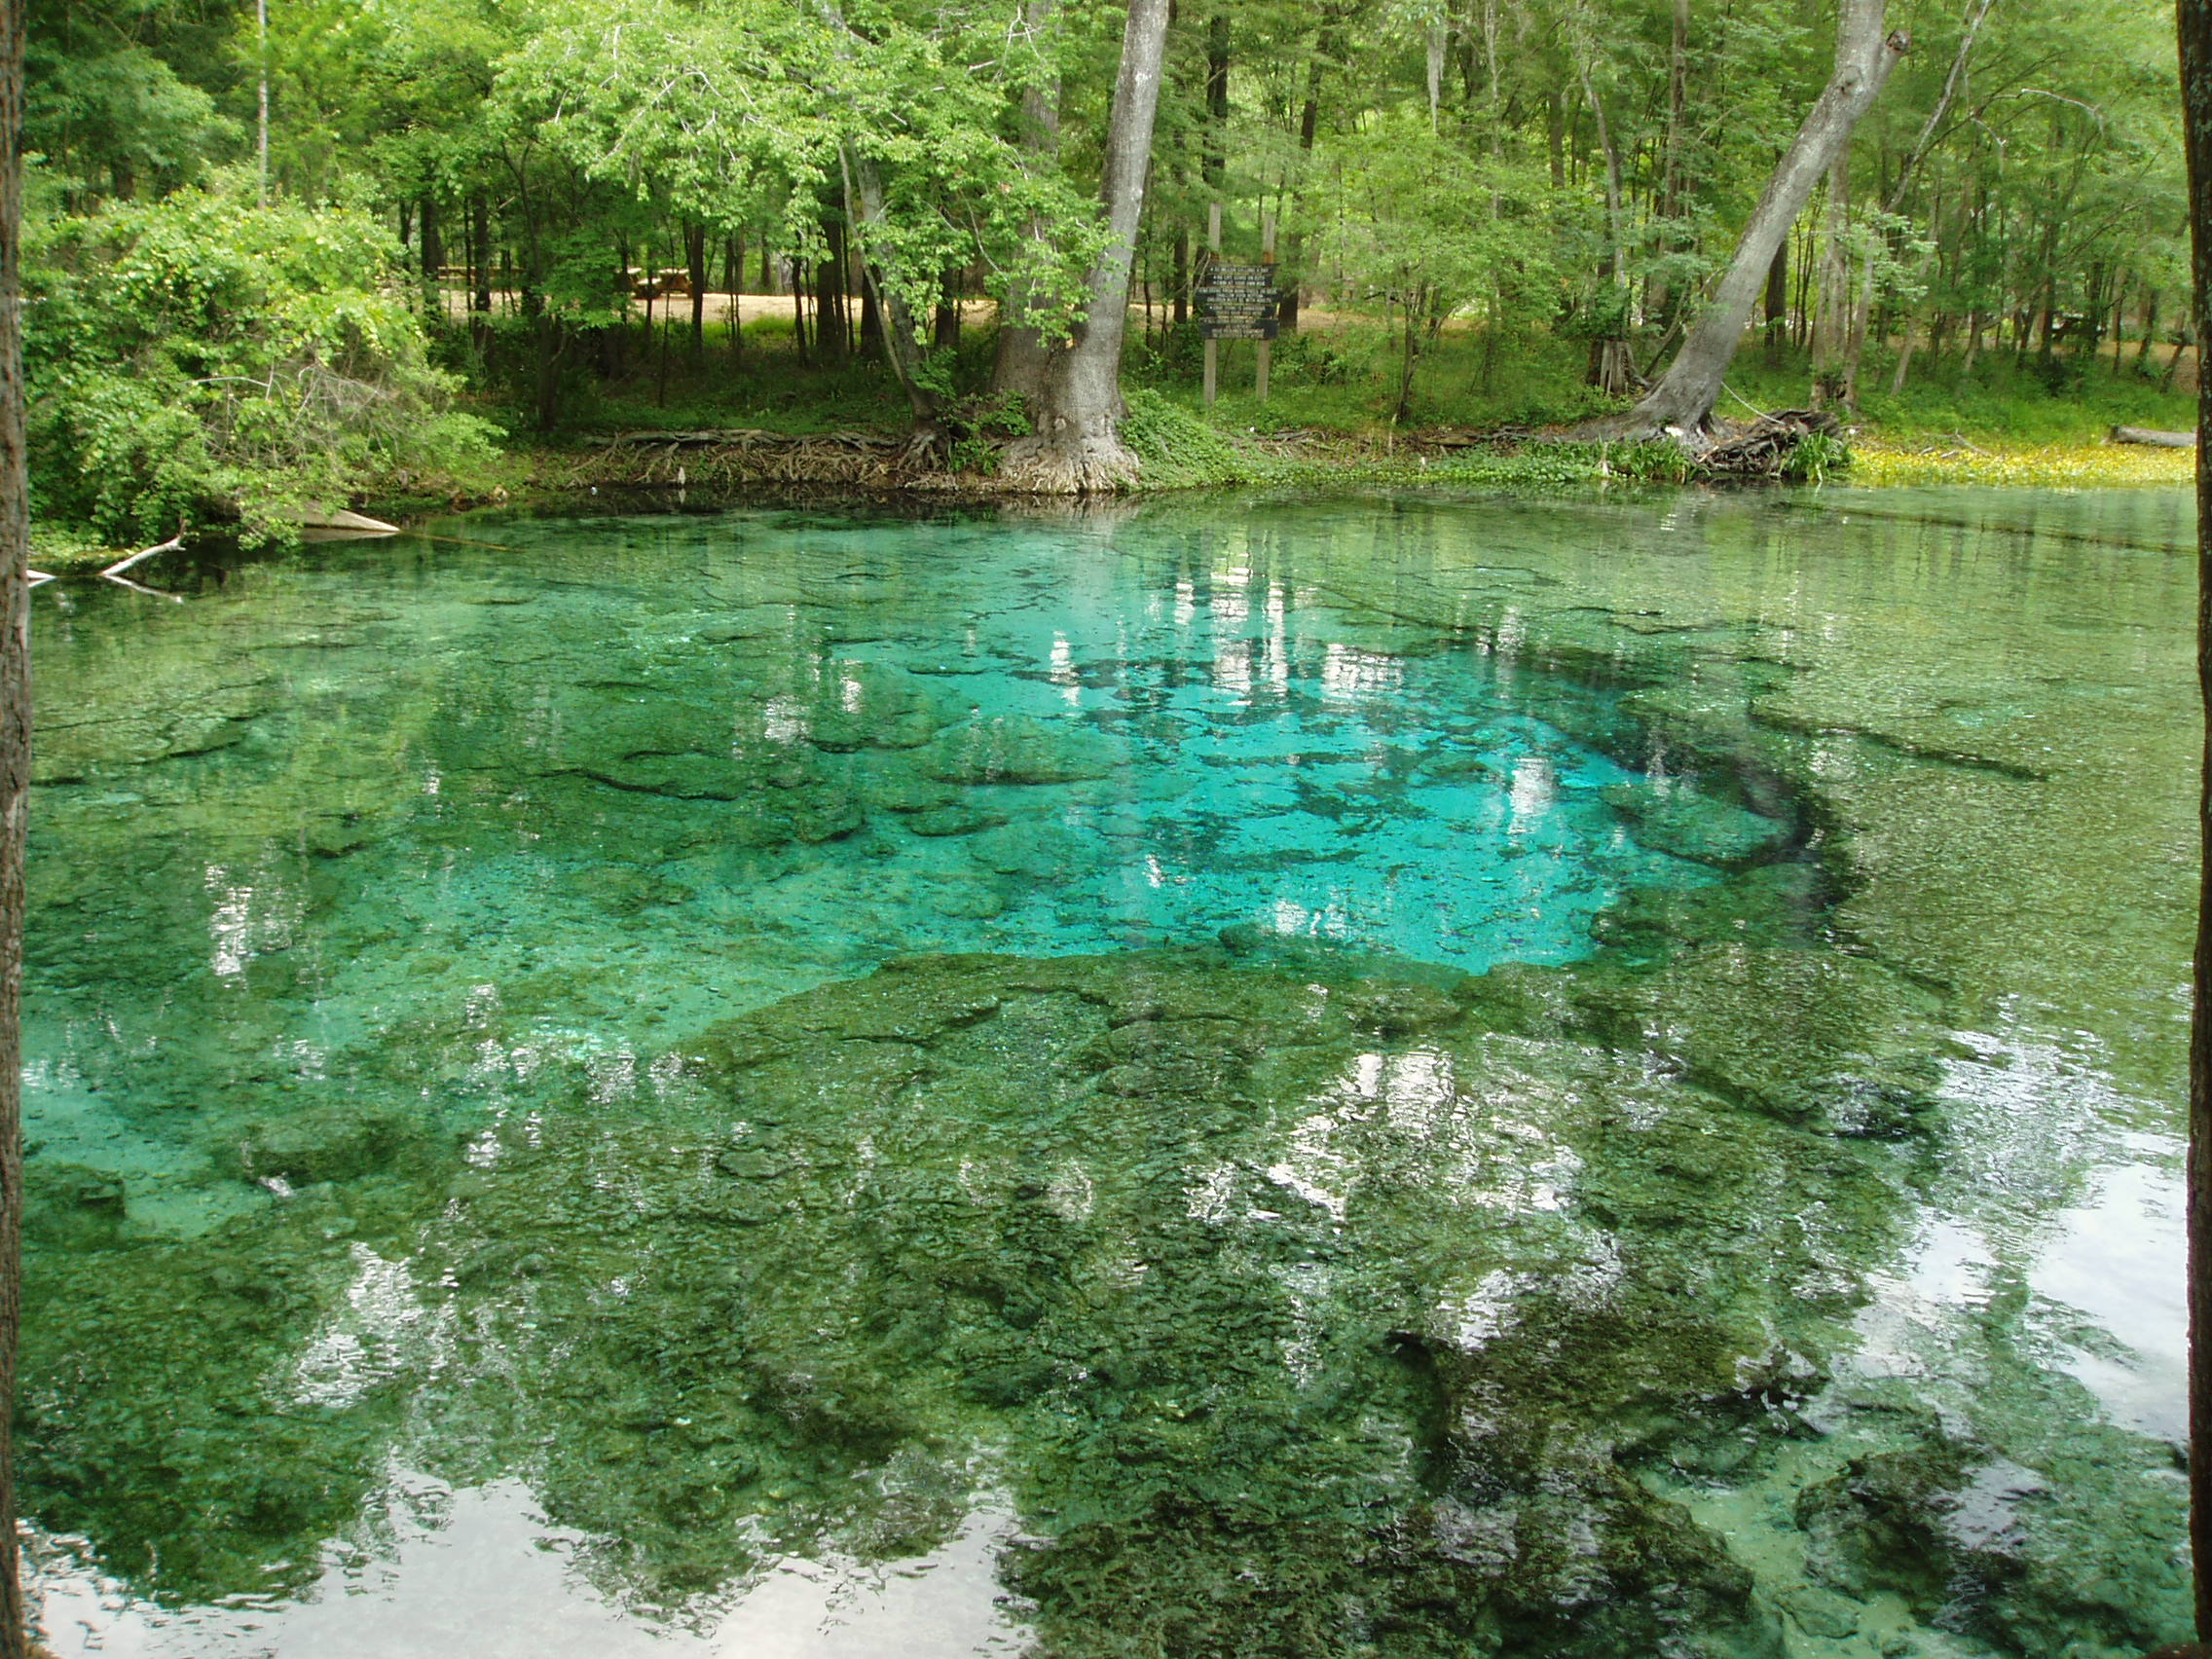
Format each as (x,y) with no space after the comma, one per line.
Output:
(1176,447)
(204,358)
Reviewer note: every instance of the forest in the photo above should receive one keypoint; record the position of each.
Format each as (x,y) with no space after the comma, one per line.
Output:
(327,249)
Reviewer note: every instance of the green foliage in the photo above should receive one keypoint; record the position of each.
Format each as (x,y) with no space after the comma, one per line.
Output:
(1177,448)
(1818,457)
(1421,227)
(1656,461)
(759,111)
(202,358)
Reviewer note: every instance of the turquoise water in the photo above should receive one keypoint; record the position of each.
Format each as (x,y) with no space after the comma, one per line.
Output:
(1402,1074)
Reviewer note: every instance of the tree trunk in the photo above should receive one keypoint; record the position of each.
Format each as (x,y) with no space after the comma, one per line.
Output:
(1832,320)
(736,252)
(1308,128)
(1180,275)
(871,313)
(1213,165)
(2195,31)
(14,790)
(944,328)
(1078,444)
(1660,299)
(830,340)
(1612,366)
(896,321)
(1893,201)
(1860,314)
(2119,325)
(1777,301)
(1683,398)
(1904,358)
(433,252)
(1409,359)
(695,264)
(480,240)
(1018,370)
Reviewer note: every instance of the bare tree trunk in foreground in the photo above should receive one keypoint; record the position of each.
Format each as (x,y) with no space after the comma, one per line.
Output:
(1683,399)
(1078,444)
(15,792)
(2195,17)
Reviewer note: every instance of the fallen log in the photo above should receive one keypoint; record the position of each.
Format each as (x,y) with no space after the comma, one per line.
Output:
(2148,435)
(114,571)
(312,515)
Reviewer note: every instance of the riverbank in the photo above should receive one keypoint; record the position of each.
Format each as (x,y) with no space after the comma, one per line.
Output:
(1180,449)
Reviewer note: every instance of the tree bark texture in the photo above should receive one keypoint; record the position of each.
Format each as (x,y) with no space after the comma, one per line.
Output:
(1682,401)
(2194,20)
(1078,446)
(1018,369)
(15,791)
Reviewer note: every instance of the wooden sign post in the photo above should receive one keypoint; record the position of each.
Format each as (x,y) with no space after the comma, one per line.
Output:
(1238,302)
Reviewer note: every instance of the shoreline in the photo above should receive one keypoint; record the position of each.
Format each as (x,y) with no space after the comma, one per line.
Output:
(745,463)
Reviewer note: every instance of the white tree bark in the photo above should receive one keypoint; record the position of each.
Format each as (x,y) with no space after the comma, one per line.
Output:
(1682,401)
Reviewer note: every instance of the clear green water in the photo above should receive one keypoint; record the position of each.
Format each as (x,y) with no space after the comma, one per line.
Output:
(1390,1075)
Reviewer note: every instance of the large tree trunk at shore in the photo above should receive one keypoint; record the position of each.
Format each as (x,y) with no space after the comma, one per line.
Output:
(1078,445)
(2195,31)
(1682,401)
(1023,353)
(14,790)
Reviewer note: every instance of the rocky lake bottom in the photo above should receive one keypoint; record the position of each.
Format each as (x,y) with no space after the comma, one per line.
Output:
(1396,1074)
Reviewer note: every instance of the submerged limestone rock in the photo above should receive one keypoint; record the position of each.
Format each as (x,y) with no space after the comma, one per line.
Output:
(1016,749)
(1288,1297)
(1696,826)
(1293,1303)
(324,1143)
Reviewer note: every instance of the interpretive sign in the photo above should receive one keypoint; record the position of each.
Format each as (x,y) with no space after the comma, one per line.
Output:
(1238,302)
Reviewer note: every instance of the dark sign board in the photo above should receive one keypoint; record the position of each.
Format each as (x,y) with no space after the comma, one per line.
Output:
(1238,302)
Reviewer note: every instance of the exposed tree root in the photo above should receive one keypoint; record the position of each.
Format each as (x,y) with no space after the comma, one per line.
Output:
(1766,447)
(1097,464)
